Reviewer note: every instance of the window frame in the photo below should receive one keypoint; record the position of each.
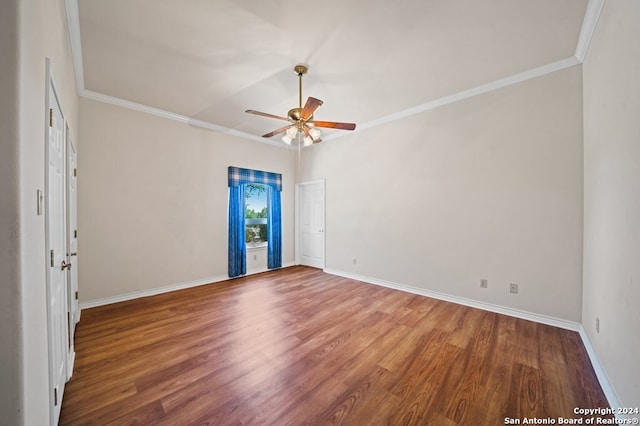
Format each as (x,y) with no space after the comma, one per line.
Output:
(256,221)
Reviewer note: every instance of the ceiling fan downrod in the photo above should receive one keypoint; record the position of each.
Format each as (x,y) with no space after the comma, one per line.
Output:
(301,70)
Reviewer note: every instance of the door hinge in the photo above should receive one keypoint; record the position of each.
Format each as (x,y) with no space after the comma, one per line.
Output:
(51,253)
(76,295)
(50,117)
(75,233)
(55,396)
(75,172)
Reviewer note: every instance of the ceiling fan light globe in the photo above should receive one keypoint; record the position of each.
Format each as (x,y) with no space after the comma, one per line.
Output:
(315,133)
(308,141)
(286,139)
(291,132)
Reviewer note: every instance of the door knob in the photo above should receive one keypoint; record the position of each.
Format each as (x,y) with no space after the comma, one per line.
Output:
(65,265)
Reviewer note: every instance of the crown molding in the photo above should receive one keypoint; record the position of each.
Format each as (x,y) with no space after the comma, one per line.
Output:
(591,17)
(112,100)
(592,14)
(73,22)
(475,91)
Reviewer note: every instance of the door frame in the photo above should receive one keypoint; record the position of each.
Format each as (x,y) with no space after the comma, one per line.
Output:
(54,409)
(297,219)
(73,314)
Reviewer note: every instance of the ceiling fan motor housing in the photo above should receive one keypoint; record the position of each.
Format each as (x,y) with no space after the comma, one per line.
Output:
(295,114)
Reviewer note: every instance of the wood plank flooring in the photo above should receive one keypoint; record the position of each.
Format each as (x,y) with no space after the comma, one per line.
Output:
(298,346)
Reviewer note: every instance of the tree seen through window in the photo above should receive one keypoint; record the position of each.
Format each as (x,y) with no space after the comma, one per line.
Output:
(255,214)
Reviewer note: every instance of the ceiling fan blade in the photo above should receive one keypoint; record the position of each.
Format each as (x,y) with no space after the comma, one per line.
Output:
(310,107)
(276,132)
(264,114)
(334,125)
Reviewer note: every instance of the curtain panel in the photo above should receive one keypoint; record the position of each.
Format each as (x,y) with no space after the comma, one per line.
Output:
(237,244)
(274,229)
(238,178)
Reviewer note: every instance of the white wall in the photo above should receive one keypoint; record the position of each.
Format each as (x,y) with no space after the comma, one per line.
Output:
(153,199)
(612,196)
(11,349)
(257,259)
(486,188)
(490,187)
(31,30)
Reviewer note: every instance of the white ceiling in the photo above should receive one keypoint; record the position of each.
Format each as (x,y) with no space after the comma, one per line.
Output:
(210,60)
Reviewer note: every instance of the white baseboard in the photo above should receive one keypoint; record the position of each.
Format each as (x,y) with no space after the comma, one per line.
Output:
(150,292)
(166,289)
(539,318)
(607,388)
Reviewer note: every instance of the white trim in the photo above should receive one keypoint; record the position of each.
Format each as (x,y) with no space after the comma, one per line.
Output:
(73,22)
(446,100)
(51,380)
(264,269)
(466,94)
(297,219)
(607,388)
(112,100)
(603,379)
(100,97)
(516,313)
(150,292)
(167,289)
(71,365)
(592,14)
(591,17)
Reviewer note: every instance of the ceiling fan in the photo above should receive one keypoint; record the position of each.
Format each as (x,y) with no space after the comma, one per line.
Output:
(302,124)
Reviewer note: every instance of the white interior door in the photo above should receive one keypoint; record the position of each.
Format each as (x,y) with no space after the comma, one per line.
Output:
(310,241)
(56,255)
(72,249)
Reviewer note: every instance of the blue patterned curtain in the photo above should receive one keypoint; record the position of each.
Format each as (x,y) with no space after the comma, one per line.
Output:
(238,178)
(274,229)
(237,245)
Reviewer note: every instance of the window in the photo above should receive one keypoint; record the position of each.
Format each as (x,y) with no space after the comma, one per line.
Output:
(255,214)
(240,182)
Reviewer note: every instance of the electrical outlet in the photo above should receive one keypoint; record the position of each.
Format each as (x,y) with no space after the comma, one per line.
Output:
(513,288)
(255,257)
(355,261)
(597,325)
(484,283)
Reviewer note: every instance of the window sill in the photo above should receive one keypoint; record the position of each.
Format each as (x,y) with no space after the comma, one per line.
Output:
(259,246)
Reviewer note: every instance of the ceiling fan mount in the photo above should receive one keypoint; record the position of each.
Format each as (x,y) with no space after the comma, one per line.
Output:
(301,69)
(302,125)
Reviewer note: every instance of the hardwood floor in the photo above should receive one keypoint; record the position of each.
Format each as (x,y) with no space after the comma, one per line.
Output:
(298,346)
